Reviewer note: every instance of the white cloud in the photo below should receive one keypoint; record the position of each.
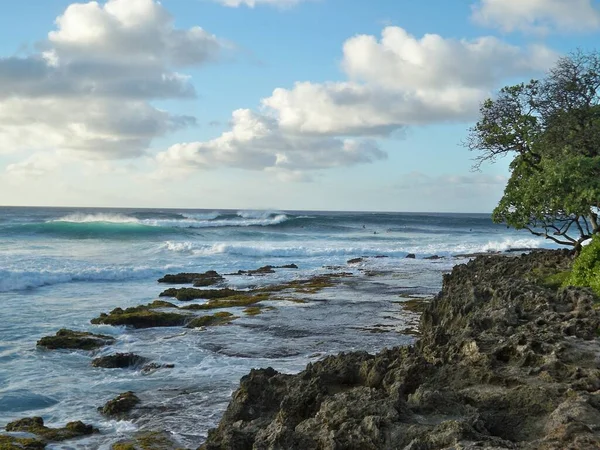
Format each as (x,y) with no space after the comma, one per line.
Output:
(400,80)
(253,3)
(256,142)
(90,88)
(538,16)
(36,165)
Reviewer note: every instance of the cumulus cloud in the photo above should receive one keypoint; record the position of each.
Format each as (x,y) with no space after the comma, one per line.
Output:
(538,16)
(253,3)
(256,142)
(392,82)
(90,87)
(401,80)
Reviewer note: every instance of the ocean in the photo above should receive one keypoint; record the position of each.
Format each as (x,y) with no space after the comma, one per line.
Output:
(61,267)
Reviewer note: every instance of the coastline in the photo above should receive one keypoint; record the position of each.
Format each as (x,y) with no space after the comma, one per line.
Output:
(505,360)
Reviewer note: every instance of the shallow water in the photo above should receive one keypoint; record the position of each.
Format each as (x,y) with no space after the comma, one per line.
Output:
(59,268)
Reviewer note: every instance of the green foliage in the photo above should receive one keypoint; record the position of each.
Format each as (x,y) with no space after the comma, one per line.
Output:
(586,268)
(552,128)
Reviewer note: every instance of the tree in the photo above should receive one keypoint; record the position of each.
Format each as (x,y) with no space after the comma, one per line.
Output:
(551,127)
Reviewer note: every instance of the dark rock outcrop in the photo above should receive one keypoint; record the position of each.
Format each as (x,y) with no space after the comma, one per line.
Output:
(504,362)
(141,317)
(120,361)
(75,340)
(411,256)
(35,425)
(198,279)
(121,405)
(187,294)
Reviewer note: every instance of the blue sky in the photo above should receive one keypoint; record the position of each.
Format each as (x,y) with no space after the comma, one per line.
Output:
(342,105)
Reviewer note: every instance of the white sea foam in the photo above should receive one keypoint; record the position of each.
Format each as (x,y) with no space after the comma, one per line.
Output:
(97,217)
(320,250)
(16,280)
(202,216)
(507,244)
(258,214)
(192,221)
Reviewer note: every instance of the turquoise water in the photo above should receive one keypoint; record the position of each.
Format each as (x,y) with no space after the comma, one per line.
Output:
(60,267)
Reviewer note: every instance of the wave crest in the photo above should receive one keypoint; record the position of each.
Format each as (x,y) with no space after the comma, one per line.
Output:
(17,280)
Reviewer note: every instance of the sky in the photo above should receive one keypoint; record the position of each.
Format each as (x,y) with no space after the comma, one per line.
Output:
(265,104)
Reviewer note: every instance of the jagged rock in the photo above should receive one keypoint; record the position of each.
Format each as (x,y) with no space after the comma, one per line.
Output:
(503,362)
(410,256)
(119,361)
(35,425)
(69,339)
(198,279)
(121,405)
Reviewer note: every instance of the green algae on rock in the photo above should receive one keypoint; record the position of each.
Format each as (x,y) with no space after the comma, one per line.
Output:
(19,443)
(220,318)
(187,294)
(35,425)
(120,361)
(253,311)
(147,440)
(198,279)
(229,302)
(80,340)
(121,405)
(141,317)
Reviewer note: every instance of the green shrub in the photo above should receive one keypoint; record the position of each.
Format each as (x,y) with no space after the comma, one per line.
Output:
(586,268)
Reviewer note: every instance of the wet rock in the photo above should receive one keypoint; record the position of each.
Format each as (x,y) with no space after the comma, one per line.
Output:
(264,270)
(69,339)
(433,257)
(141,317)
(147,440)
(198,279)
(355,260)
(20,443)
(410,256)
(503,362)
(35,425)
(121,405)
(120,361)
(220,318)
(187,294)
(153,367)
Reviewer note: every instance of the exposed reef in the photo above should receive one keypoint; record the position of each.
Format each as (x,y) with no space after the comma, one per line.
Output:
(505,360)
(141,317)
(120,361)
(220,318)
(147,440)
(35,425)
(75,340)
(197,279)
(121,405)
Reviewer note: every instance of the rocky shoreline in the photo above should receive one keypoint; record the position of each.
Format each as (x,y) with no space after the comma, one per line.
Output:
(506,360)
